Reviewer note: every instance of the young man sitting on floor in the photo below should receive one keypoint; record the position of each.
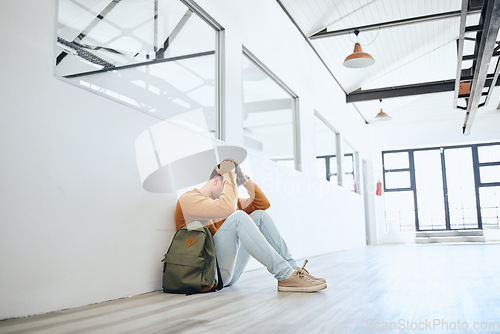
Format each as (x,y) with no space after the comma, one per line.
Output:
(242,228)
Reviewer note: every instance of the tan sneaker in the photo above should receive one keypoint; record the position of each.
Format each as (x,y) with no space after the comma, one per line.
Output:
(300,282)
(309,275)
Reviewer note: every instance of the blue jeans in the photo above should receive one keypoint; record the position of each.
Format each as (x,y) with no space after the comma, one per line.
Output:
(260,239)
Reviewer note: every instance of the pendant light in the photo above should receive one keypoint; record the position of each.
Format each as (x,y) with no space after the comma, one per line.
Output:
(381,116)
(358,58)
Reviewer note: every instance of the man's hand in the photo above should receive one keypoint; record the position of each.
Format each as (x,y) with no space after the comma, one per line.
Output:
(241,178)
(225,166)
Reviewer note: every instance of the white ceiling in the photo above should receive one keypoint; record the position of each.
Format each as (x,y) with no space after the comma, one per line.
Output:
(408,54)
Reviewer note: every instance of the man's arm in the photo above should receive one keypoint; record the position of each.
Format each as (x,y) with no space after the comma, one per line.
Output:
(256,201)
(197,206)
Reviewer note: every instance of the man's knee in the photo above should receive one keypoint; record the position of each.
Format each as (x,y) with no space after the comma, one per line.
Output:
(239,215)
(258,214)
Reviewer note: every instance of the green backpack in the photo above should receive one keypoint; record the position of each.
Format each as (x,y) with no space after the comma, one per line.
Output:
(190,265)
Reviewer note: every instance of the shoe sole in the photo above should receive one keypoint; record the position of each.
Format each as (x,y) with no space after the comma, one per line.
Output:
(302,289)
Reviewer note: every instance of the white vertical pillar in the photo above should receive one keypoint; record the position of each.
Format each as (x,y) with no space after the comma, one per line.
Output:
(340,156)
(232,113)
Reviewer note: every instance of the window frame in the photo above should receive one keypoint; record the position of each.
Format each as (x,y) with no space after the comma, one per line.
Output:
(355,165)
(295,105)
(219,105)
(411,168)
(327,158)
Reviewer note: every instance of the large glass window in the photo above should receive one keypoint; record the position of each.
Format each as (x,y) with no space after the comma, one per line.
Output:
(398,197)
(490,153)
(326,149)
(490,174)
(454,188)
(490,207)
(398,160)
(160,57)
(489,187)
(269,113)
(399,211)
(395,180)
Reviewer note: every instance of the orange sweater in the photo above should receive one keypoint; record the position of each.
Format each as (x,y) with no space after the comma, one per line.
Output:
(192,205)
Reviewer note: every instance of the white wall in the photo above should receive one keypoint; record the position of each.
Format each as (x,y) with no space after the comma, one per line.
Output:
(77,227)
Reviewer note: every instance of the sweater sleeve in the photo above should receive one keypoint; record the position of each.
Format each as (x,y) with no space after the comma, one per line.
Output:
(256,201)
(198,207)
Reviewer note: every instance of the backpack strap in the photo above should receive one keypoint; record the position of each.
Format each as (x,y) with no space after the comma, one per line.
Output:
(220,284)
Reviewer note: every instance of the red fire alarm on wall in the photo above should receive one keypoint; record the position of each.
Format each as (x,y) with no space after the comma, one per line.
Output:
(378,192)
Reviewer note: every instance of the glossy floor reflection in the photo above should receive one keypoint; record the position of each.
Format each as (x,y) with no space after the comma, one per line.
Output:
(438,288)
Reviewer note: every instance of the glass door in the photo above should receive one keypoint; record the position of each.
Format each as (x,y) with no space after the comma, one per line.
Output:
(429,190)
(460,188)
(445,189)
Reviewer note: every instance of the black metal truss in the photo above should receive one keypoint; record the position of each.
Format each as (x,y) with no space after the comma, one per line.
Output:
(389,24)
(407,90)
(485,48)
(481,81)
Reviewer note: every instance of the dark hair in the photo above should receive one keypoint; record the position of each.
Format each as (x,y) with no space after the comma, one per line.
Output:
(215,173)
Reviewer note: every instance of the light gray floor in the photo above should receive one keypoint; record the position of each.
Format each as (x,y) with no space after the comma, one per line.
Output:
(436,287)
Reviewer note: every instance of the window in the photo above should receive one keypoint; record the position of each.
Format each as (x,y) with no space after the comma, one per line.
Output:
(326,138)
(399,211)
(489,184)
(490,153)
(396,180)
(396,160)
(490,174)
(450,188)
(399,204)
(396,170)
(160,57)
(269,113)
(490,206)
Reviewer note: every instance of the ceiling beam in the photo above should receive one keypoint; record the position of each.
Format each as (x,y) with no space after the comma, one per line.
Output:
(390,24)
(398,91)
(406,90)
